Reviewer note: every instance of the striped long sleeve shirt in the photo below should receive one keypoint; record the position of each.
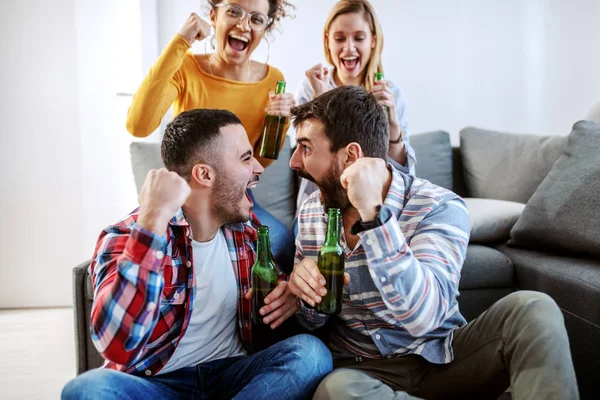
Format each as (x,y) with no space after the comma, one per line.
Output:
(404,275)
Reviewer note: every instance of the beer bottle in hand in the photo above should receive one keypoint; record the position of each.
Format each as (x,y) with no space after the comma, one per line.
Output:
(264,274)
(273,131)
(331,265)
(379,77)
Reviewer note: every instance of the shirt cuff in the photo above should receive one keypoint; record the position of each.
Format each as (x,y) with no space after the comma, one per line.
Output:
(145,248)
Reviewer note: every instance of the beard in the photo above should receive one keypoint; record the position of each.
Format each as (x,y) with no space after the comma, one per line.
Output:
(227,196)
(333,195)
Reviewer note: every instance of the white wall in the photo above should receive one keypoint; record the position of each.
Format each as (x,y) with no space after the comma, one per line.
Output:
(522,66)
(64,151)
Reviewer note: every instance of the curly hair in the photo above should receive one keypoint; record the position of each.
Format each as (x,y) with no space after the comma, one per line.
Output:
(278,9)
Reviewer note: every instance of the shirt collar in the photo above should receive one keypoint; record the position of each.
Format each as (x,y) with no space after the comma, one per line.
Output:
(180,220)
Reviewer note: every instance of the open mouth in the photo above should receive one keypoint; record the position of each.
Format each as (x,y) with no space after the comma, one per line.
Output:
(237,42)
(253,182)
(350,62)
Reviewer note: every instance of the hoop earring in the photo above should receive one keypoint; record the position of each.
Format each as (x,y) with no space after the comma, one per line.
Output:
(268,49)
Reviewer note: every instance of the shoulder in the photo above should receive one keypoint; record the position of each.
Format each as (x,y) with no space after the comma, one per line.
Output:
(430,196)
(312,207)
(304,92)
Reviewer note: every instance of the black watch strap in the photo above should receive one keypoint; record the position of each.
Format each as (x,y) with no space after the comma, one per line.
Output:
(380,219)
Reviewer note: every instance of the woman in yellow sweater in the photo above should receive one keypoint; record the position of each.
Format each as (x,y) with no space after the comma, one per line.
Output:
(224,79)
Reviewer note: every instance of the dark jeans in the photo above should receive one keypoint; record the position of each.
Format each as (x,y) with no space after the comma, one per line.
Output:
(290,369)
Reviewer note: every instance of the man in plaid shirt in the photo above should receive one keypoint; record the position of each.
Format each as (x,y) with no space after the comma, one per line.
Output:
(171,311)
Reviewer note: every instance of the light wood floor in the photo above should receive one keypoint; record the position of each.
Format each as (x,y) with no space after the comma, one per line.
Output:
(37,353)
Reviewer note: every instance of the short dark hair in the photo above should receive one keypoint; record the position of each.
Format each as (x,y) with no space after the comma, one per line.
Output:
(349,114)
(190,139)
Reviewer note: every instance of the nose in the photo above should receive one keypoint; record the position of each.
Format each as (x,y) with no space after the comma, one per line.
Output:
(296,160)
(258,169)
(244,23)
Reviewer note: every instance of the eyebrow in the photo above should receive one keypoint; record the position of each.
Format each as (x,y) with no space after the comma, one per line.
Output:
(246,154)
(302,140)
(354,32)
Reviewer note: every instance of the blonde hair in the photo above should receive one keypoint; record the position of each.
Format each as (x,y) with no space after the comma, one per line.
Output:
(364,8)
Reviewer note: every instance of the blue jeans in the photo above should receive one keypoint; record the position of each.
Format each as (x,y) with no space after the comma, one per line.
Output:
(290,369)
(283,244)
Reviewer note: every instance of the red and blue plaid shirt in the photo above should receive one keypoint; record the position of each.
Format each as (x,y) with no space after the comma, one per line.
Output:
(144,290)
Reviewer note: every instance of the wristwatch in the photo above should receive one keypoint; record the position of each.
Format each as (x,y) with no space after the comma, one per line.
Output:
(384,213)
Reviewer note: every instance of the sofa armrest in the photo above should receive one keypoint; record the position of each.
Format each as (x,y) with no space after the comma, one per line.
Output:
(80,318)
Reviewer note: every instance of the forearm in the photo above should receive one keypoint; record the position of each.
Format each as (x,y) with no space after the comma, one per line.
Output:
(128,282)
(157,91)
(419,283)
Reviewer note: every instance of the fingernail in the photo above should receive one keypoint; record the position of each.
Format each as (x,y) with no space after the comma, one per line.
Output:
(322,281)
(266,320)
(262,311)
(267,301)
(318,299)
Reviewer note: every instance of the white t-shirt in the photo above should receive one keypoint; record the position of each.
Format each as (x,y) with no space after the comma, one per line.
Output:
(211,333)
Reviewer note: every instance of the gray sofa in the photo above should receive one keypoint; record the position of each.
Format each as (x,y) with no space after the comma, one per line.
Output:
(487,165)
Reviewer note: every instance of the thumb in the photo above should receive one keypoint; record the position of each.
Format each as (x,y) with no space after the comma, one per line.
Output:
(346,278)
(248,295)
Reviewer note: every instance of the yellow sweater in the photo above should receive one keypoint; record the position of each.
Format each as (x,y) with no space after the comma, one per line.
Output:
(176,78)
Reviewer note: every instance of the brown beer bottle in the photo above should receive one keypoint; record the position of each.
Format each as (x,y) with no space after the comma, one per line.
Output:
(273,131)
(331,265)
(264,274)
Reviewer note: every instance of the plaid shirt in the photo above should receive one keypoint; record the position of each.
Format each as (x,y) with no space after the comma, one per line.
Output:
(144,290)
(404,274)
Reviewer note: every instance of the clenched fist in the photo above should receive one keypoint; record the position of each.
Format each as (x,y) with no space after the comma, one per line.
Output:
(364,182)
(195,28)
(318,77)
(162,194)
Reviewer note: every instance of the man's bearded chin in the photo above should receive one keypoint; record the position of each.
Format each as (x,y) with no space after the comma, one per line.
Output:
(333,195)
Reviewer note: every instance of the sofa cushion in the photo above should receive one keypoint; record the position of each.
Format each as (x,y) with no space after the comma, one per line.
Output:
(434,157)
(564,212)
(506,166)
(574,283)
(485,267)
(491,220)
(144,157)
(276,189)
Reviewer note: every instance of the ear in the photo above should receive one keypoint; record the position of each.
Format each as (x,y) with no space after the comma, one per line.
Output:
(374,42)
(203,175)
(351,153)
(213,17)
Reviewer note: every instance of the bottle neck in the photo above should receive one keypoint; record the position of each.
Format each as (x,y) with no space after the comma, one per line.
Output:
(333,230)
(263,249)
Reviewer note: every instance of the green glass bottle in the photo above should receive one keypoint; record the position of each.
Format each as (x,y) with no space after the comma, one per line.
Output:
(379,77)
(273,131)
(264,274)
(331,265)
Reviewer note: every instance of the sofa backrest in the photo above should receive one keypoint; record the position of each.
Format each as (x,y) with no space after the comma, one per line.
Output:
(506,166)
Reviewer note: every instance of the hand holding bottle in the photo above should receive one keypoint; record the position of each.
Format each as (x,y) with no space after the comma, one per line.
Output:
(280,304)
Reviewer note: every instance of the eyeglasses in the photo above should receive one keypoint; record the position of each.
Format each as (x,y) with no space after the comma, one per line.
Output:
(257,20)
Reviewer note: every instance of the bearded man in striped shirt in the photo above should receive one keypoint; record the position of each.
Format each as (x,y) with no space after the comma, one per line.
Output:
(400,332)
